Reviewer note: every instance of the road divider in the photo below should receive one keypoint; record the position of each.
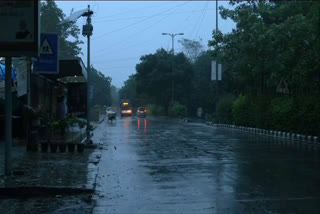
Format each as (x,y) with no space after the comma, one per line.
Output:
(271,133)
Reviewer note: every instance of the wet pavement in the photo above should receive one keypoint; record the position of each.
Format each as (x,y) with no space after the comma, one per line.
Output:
(158,165)
(50,182)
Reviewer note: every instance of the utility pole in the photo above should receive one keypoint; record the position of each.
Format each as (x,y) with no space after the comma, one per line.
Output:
(172,37)
(88,84)
(87,31)
(217,88)
(8,99)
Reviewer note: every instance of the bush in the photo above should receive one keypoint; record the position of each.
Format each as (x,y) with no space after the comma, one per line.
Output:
(177,110)
(224,109)
(299,114)
(210,117)
(281,113)
(305,117)
(252,111)
(155,110)
(260,112)
(240,111)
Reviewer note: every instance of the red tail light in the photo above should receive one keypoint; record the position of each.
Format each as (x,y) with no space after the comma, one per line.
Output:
(145,111)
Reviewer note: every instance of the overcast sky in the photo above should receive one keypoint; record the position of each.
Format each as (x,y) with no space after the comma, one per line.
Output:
(125,30)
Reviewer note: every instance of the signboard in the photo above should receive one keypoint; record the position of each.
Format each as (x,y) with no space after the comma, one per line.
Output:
(283,87)
(48,61)
(219,71)
(19,21)
(214,72)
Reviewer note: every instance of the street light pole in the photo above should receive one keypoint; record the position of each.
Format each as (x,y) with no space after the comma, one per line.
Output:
(217,88)
(172,37)
(88,79)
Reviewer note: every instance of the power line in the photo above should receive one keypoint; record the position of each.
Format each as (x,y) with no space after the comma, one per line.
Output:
(197,22)
(187,20)
(118,59)
(132,35)
(140,17)
(204,14)
(127,26)
(126,11)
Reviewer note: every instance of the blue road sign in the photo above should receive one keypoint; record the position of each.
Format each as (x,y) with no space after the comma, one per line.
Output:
(48,61)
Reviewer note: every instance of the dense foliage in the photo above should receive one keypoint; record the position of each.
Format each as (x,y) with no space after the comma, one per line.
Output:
(101,88)
(50,17)
(273,42)
(156,73)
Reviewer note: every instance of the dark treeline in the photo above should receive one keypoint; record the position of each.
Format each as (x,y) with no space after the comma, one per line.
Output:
(273,42)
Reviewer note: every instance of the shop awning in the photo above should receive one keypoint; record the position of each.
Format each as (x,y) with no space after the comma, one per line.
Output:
(71,70)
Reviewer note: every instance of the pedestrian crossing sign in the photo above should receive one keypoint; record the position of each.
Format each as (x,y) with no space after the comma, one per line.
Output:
(45,48)
(48,61)
(283,87)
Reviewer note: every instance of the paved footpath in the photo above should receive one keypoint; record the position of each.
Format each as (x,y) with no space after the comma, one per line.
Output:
(51,182)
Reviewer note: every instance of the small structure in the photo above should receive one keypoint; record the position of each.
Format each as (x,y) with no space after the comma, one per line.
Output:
(72,81)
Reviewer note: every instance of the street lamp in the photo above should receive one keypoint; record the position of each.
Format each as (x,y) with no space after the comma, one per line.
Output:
(172,36)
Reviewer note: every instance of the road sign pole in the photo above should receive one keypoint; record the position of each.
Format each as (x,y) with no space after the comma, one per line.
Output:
(8,128)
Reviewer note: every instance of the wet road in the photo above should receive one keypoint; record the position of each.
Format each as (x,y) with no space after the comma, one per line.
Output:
(158,165)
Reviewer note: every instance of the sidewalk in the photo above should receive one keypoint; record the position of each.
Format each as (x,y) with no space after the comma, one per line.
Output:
(51,182)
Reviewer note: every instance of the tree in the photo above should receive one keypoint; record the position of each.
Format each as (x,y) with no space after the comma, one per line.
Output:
(114,95)
(155,73)
(50,17)
(202,87)
(192,48)
(101,88)
(128,91)
(272,41)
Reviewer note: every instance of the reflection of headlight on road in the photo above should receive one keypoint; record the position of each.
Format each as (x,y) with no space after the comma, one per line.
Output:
(126,111)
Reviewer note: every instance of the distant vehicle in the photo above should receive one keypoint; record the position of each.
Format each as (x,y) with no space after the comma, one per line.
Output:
(142,112)
(125,108)
(111,114)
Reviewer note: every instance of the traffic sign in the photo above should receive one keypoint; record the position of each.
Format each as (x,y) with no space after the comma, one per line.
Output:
(283,87)
(48,62)
(45,48)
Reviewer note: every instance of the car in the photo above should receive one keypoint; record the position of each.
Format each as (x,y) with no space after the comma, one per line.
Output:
(141,112)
